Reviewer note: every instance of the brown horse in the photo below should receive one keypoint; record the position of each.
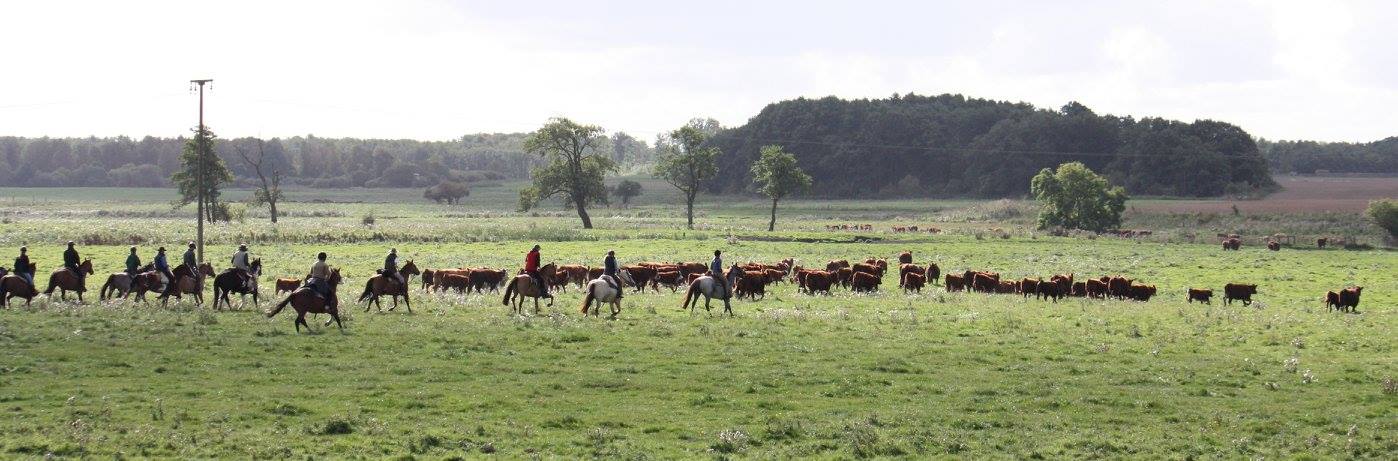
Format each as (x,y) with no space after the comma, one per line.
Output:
(120,284)
(188,282)
(15,286)
(380,285)
(523,285)
(229,282)
(306,300)
(65,280)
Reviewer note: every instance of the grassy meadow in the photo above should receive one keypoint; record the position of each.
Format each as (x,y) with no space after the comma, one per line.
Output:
(935,374)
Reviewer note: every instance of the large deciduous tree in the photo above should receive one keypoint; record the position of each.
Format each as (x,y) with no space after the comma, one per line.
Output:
(575,170)
(776,175)
(200,150)
(626,190)
(1074,197)
(686,164)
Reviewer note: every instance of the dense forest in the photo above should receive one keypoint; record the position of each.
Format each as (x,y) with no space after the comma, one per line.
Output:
(308,161)
(951,145)
(1310,157)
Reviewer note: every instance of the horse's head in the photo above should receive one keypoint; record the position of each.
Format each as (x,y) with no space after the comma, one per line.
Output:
(548,269)
(409,268)
(146,268)
(334,277)
(256,267)
(86,267)
(626,279)
(207,269)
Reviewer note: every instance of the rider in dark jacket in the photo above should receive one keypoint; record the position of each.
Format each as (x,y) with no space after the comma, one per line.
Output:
(609,269)
(133,263)
(163,265)
(390,267)
(22,266)
(71,260)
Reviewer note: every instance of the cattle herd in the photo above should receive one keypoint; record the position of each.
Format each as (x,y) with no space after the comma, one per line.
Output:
(860,277)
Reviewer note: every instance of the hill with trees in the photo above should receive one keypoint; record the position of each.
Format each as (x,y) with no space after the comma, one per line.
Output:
(951,145)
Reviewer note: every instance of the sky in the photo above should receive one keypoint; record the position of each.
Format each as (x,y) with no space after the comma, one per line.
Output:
(436,70)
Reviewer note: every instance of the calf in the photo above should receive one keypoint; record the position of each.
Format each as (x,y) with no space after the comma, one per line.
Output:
(1079,290)
(1006,287)
(905,257)
(775,276)
(913,282)
(1201,295)
(671,279)
(1028,287)
(1332,300)
(1273,245)
(1119,287)
(1050,290)
(845,276)
(905,269)
(288,285)
(868,269)
(459,282)
(818,281)
(1141,292)
(1239,291)
(641,275)
(1096,289)
(751,284)
(1320,242)
(933,273)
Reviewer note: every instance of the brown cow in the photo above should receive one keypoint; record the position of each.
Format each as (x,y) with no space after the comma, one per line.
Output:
(642,275)
(868,269)
(671,279)
(460,283)
(689,279)
(864,281)
(573,273)
(1349,299)
(1201,295)
(427,276)
(1239,291)
(905,257)
(1029,286)
(1332,300)
(1007,286)
(1096,289)
(845,276)
(913,282)
(775,276)
(1065,283)
(836,264)
(691,268)
(751,284)
(1320,242)
(987,282)
(881,263)
(480,279)
(1142,292)
(954,282)
(1233,243)
(288,285)
(818,281)
(1079,290)
(1273,245)
(933,273)
(595,273)
(1119,287)
(1050,290)
(905,269)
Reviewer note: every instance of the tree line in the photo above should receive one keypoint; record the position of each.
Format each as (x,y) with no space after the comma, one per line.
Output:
(951,145)
(1310,157)
(306,161)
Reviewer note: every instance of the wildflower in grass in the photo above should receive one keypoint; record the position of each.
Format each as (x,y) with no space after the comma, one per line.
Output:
(1290,364)
(1307,377)
(731,441)
(1298,343)
(1389,385)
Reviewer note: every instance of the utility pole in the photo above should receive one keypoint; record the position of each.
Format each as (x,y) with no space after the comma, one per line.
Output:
(203,145)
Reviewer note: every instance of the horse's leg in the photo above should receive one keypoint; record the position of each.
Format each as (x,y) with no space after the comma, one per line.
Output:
(727,307)
(406,302)
(301,319)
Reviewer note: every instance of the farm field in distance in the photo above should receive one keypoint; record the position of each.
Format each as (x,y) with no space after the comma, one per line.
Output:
(889,374)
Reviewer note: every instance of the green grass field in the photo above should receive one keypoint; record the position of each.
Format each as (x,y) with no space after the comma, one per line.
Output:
(845,376)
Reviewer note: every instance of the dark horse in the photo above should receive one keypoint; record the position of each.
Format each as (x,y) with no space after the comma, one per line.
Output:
(381,284)
(229,282)
(305,300)
(12,285)
(65,280)
(188,282)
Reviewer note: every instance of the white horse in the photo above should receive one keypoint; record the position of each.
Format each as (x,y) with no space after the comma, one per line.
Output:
(601,290)
(709,287)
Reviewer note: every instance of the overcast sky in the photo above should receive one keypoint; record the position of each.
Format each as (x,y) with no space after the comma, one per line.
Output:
(1324,70)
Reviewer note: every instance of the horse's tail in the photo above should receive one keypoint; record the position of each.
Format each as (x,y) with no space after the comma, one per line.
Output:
(102,294)
(53,283)
(273,311)
(587,300)
(509,292)
(689,294)
(368,289)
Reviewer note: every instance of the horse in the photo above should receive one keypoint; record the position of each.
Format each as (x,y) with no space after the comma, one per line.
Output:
(710,289)
(12,285)
(601,291)
(65,280)
(305,300)
(120,284)
(229,282)
(381,284)
(188,282)
(523,285)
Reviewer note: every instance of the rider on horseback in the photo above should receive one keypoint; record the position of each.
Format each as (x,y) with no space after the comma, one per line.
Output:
(163,266)
(609,268)
(716,271)
(22,266)
(133,264)
(531,267)
(190,261)
(320,275)
(240,264)
(71,260)
(390,268)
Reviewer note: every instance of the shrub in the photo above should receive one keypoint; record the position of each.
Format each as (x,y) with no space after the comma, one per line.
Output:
(1384,213)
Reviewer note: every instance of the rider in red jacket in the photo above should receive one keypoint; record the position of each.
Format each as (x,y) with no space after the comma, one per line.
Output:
(531,267)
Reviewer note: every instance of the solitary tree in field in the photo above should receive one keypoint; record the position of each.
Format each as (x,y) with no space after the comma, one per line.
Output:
(270,191)
(625,190)
(686,165)
(1076,198)
(776,175)
(449,191)
(1384,213)
(200,149)
(575,168)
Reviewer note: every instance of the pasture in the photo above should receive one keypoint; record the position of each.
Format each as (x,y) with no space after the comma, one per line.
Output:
(936,374)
